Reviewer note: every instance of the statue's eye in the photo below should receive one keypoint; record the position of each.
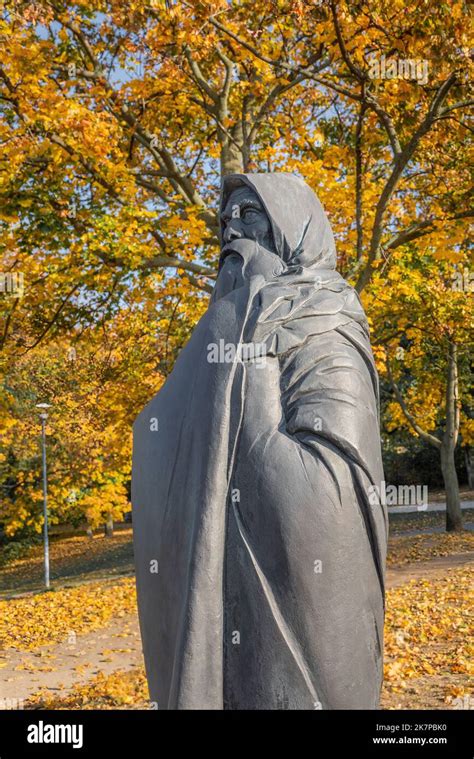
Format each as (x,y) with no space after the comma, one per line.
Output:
(249,215)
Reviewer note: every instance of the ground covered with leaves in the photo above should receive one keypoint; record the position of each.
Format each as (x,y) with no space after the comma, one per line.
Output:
(427,651)
(36,620)
(120,690)
(408,549)
(428,642)
(428,656)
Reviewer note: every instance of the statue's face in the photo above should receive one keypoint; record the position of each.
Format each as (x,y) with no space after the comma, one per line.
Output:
(244,218)
(248,248)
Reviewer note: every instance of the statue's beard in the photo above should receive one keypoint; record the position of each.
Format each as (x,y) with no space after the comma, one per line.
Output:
(243,259)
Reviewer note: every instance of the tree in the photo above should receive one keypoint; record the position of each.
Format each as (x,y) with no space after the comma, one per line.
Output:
(97,381)
(118,120)
(423,322)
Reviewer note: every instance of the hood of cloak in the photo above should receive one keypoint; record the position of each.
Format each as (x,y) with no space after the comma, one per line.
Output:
(301,231)
(303,295)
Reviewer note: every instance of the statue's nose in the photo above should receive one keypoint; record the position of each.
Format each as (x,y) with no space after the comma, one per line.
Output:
(230,233)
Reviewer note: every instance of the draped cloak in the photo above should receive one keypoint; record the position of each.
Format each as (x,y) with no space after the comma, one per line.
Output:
(259,540)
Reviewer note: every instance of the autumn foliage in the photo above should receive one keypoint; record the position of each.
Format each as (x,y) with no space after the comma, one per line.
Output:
(117,122)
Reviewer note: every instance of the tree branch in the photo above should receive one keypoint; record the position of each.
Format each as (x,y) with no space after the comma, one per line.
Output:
(426,436)
(398,166)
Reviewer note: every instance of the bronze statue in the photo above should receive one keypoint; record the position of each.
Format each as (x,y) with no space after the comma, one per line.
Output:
(260,557)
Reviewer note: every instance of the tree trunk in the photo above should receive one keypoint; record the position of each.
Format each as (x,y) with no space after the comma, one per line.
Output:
(232,152)
(109,527)
(469,459)
(451,486)
(448,444)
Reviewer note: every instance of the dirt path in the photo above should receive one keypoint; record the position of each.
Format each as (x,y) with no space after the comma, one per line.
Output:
(59,667)
(436,567)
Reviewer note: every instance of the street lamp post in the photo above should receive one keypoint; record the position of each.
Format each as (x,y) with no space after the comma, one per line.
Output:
(44,416)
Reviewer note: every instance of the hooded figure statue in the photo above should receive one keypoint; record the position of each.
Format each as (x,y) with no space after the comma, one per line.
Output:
(259,536)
